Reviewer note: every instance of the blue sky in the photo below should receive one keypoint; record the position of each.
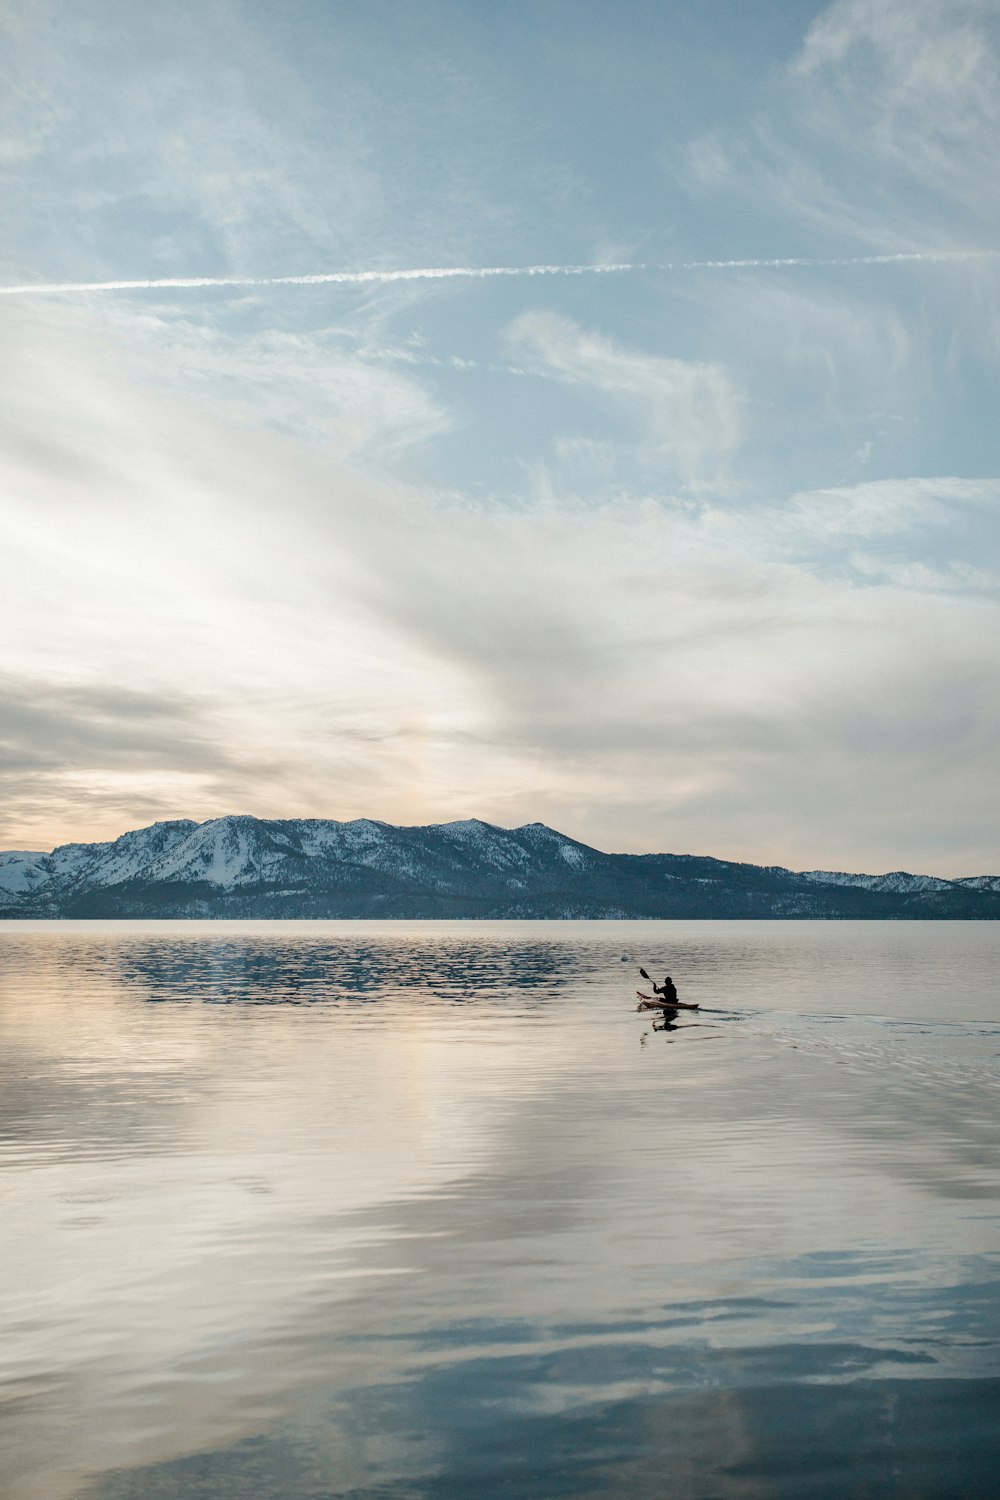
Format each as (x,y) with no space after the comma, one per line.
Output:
(689,556)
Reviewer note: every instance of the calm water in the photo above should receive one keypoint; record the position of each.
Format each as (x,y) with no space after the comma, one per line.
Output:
(427,1210)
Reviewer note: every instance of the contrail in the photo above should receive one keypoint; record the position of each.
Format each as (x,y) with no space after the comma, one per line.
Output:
(316,278)
(442,273)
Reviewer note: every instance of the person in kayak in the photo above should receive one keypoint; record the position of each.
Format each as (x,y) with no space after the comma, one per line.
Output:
(667,991)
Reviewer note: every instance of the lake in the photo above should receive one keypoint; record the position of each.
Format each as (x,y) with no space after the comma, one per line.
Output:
(416,1210)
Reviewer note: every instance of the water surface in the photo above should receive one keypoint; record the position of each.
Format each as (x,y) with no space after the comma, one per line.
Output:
(426,1209)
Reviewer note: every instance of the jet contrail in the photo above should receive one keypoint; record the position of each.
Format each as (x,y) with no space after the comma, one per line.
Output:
(315,278)
(442,273)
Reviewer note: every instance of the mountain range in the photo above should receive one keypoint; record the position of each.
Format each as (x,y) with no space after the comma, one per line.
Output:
(244,867)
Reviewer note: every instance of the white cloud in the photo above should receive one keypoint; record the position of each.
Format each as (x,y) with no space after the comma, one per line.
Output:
(202,497)
(885,128)
(826,370)
(891,506)
(184,140)
(915,83)
(689,411)
(356,646)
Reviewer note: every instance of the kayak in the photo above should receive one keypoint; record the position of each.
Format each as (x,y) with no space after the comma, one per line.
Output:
(648,1002)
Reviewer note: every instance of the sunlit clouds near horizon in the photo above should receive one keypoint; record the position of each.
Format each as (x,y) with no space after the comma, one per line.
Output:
(684,539)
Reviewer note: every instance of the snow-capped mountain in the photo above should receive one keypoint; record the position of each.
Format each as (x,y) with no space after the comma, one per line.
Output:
(316,867)
(980,882)
(897,881)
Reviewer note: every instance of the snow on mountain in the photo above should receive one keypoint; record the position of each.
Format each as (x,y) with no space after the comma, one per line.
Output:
(22,871)
(572,855)
(898,882)
(245,866)
(569,850)
(237,851)
(131,855)
(71,866)
(224,852)
(324,836)
(501,848)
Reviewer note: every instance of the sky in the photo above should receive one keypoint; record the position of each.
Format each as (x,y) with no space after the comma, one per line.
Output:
(685,542)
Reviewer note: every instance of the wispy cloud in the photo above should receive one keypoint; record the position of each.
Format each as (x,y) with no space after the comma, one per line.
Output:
(448,273)
(636,592)
(687,411)
(374,648)
(882,128)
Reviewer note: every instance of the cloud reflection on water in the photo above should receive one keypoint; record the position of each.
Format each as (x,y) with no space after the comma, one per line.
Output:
(418,1236)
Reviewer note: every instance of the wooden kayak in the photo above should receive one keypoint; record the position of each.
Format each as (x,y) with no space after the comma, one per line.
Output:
(649,1002)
